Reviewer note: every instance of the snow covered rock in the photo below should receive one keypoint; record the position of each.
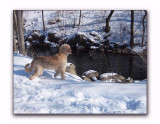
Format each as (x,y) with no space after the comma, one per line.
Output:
(93,33)
(129,80)
(30,39)
(139,49)
(114,77)
(79,39)
(94,78)
(107,74)
(71,68)
(91,73)
(80,49)
(94,47)
(35,36)
(85,78)
(53,37)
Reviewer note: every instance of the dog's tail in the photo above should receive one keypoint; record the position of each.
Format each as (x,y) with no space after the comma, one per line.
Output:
(28,69)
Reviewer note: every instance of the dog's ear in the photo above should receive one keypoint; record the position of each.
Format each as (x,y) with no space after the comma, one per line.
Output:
(70,51)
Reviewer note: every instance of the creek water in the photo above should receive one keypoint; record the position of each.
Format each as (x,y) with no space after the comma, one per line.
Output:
(126,65)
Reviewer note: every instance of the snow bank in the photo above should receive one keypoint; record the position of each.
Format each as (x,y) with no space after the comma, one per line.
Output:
(49,95)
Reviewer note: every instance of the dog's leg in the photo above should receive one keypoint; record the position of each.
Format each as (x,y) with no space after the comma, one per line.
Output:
(38,71)
(56,74)
(35,74)
(62,74)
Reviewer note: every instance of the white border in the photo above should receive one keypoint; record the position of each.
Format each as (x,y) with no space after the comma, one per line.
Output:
(6,8)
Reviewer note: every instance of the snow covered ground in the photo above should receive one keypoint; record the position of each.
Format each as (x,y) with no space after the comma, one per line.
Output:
(49,95)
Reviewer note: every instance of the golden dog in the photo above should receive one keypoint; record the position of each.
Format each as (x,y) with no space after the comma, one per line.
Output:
(56,62)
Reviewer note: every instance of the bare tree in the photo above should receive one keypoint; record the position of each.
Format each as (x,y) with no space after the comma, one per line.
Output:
(14,41)
(143,26)
(19,27)
(14,28)
(132,29)
(107,28)
(44,28)
(80,15)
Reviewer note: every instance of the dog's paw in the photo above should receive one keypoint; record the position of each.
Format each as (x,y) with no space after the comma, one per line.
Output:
(31,77)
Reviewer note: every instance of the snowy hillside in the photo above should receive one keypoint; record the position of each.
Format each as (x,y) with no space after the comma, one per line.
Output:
(48,95)
(65,23)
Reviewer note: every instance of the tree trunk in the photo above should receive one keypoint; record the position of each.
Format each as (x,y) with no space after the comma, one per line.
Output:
(79,18)
(143,27)
(14,28)
(15,22)
(107,29)
(21,45)
(44,28)
(14,41)
(132,29)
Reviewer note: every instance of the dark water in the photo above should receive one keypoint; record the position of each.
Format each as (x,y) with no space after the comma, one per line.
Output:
(126,65)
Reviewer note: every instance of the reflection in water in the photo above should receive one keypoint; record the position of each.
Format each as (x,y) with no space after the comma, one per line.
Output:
(126,65)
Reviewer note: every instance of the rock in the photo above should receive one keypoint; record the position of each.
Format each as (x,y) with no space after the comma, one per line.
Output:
(79,39)
(118,77)
(126,51)
(30,39)
(91,73)
(108,79)
(97,38)
(41,38)
(71,68)
(71,71)
(54,21)
(109,51)
(62,41)
(129,80)
(94,79)
(122,46)
(85,78)
(35,36)
(83,41)
(93,33)
(58,20)
(53,38)
(114,45)
(51,22)
(112,77)
(119,51)
(105,42)
(80,49)
(107,75)
(71,40)
(101,48)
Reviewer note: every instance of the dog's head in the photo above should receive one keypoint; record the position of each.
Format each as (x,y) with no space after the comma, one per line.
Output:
(65,48)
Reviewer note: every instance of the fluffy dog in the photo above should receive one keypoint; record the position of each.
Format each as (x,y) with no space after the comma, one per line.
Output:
(56,62)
